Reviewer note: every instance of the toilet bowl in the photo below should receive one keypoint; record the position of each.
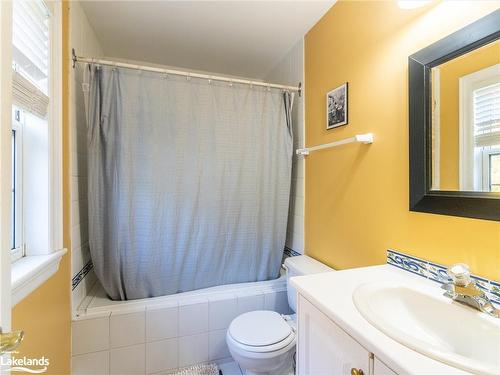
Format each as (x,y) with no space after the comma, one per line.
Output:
(263,342)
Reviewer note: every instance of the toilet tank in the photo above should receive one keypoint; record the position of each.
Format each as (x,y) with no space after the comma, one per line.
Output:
(299,266)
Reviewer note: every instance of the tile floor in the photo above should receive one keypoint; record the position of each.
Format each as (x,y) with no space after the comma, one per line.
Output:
(230,368)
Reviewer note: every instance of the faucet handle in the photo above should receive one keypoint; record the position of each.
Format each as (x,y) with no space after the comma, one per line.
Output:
(460,274)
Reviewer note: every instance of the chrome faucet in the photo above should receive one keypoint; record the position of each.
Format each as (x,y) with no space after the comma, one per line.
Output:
(464,290)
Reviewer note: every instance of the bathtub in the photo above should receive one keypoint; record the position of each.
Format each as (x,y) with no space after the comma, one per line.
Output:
(160,334)
(97,302)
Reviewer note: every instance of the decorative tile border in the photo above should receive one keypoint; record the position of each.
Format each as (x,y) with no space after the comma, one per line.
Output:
(407,263)
(437,272)
(77,279)
(290,252)
(494,292)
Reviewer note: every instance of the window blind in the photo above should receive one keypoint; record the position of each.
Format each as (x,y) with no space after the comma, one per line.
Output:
(30,55)
(487,116)
(28,96)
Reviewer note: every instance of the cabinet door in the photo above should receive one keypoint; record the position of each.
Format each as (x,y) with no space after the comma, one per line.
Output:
(381,369)
(323,347)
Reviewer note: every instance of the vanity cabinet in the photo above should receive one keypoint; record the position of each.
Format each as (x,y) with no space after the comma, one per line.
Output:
(323,348)
(380,368)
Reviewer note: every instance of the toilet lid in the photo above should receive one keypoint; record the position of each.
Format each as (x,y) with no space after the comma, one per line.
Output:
(259,328)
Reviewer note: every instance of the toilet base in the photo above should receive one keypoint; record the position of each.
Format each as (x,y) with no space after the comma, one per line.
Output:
(278,366)
(286,369)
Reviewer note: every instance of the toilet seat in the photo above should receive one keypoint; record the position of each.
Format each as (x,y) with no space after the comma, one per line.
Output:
(261,332)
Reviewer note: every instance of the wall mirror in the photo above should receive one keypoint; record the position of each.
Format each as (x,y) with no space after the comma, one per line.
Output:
(454,92)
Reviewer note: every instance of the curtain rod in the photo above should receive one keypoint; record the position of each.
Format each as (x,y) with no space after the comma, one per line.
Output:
(187,74)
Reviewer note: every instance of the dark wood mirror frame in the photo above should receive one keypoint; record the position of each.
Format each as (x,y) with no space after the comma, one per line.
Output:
(480,205)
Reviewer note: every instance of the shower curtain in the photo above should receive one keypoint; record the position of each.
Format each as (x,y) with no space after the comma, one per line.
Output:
(188,182)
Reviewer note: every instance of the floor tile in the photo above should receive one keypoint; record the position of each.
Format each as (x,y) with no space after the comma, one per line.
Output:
(230,368)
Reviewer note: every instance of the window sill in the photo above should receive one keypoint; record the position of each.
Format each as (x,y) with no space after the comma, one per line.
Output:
(29,272)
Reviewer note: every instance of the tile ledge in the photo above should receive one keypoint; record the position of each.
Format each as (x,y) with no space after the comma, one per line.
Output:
(29,272)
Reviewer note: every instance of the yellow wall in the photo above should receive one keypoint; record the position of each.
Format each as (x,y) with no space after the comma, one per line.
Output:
(45,315)
(357,195)
(450,73)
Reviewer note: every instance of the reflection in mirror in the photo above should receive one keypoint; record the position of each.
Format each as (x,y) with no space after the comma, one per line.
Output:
(466,122)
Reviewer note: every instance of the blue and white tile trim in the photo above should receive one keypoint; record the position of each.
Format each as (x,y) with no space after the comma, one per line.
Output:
(437,272)
(290,252)
(77,279)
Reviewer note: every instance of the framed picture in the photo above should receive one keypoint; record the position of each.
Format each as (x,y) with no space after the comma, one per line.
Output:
(336,107)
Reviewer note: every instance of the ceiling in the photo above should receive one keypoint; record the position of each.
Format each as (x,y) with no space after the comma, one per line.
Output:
(240,38)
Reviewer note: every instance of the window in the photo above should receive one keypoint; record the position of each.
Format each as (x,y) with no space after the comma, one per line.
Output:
(480,130)
(494,172)
(31,133)
(32,67)
(492,168)
(487,133)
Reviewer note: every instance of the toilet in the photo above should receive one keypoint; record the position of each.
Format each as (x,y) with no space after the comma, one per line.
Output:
(263,342)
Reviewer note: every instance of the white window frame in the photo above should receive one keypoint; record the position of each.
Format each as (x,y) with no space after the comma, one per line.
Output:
(471,163)
(55,127)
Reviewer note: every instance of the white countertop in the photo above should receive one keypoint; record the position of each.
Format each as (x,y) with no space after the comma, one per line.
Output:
(332,293)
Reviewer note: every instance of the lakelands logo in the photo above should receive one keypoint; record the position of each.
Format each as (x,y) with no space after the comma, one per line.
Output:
(25,364)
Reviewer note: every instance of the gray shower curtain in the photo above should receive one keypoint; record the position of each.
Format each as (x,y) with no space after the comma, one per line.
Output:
(188,182)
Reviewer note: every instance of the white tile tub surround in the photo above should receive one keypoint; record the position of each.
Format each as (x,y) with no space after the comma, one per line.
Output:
(91,335)
(277,301)
(217,345)
(162,322)
(160,335)
(83,39)
(129,360)
(193,316)
(193,349)
(290,71)
(127,329)
(221,311)
(250,302)
(90,364)
(162,355)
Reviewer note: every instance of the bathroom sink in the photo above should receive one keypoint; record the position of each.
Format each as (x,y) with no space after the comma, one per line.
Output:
(433,325)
